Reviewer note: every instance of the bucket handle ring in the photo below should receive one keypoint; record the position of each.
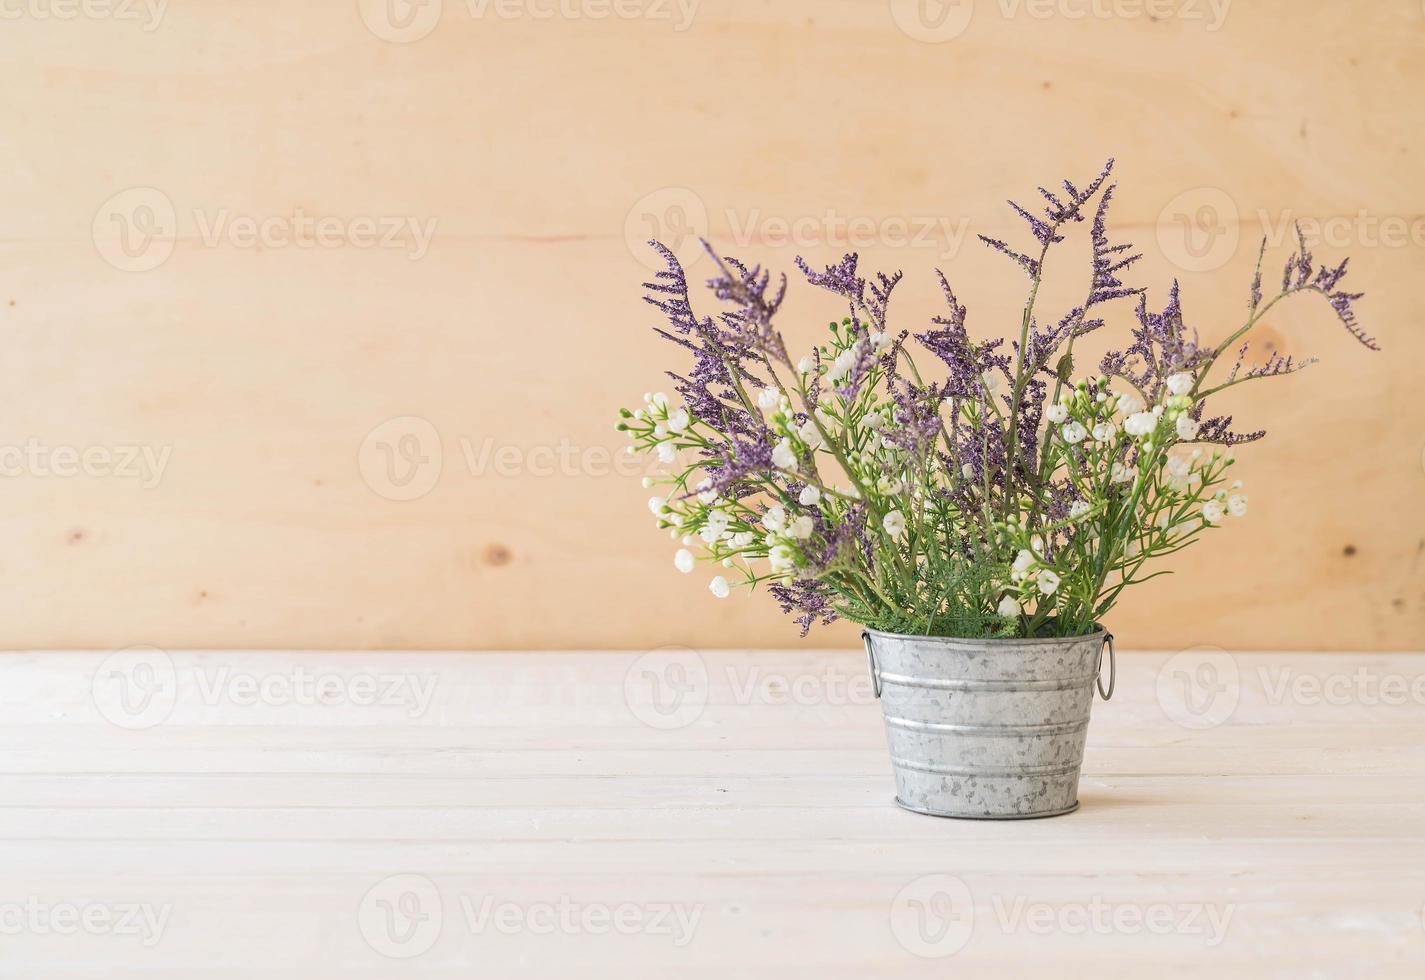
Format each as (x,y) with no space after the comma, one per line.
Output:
(871,662)
(1112,668)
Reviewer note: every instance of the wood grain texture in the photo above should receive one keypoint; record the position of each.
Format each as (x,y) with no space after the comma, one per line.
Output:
(537,153)
(262,834)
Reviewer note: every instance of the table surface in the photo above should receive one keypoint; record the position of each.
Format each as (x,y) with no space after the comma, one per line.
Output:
(692,814)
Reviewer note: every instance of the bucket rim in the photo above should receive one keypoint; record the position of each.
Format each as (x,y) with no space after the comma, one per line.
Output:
(1099,633)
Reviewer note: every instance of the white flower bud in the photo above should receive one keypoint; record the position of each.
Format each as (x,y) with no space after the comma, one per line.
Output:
(719,587)
(683,560)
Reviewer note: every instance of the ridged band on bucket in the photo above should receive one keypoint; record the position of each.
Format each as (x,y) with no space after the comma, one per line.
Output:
(988,729)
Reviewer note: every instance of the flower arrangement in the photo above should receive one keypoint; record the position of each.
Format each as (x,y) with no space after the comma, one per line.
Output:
(1005,498)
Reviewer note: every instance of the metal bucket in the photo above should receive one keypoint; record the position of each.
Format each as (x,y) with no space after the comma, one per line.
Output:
(987,729)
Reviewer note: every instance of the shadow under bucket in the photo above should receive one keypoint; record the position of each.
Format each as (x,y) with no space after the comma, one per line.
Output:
(987,729)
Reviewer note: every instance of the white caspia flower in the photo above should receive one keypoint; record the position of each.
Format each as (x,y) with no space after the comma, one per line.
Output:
(667,453)
(658,506)
(706,493)
(889,485)
(801,528)
(894,523)
(1056,413)
(783,457)
(683,561)
(1023,562)
(1180,383)
(780,556)
(1074,433)
(990,380)
(775,518)
(874,421)
(881,341)
(967,471)
(843,364)
(719,587)
(1212,512)
(718,519)
(1177,466)
(741,539)
(1186,426)
(1140,424)
(1122,473)
(807,364)
(1237,505)
(810,434)
(768,398)
(1047,581)
(655,400)
(1134,549)
(1078,509)
(1008,607)
(679,420)
(660,431)
(1104,431)
(809,496)
(1129,404)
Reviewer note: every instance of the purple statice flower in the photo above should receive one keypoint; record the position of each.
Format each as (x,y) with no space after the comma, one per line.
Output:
(967,361)
(1108,259)
(808,598)
(746,289)
(1298,276)
(1055,214)
(1218,430)
(842,280)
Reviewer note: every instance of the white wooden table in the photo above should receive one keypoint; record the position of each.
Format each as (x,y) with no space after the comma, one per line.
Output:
(713,814)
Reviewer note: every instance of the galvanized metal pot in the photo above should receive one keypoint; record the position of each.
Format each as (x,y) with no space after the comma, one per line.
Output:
(987,729)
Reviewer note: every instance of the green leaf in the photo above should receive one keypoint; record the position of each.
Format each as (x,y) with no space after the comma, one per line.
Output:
(1065,368)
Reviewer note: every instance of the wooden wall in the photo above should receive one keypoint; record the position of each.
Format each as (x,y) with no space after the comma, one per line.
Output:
(363,282)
